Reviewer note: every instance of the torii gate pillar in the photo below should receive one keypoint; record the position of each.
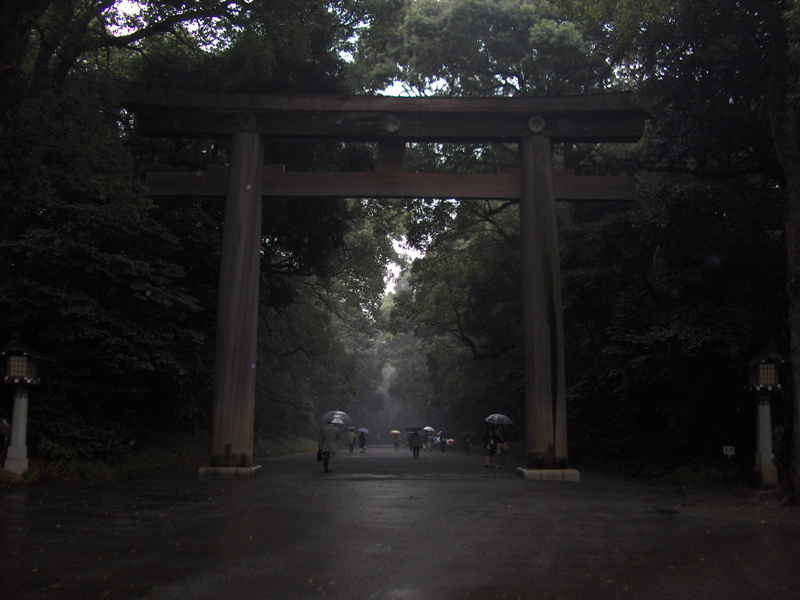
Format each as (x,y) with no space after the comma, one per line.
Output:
(543,331)
(237,320)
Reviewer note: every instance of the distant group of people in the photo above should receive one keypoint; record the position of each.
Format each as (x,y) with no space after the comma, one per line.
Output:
(422,439)
(495,442)
(328,443)
(362,441)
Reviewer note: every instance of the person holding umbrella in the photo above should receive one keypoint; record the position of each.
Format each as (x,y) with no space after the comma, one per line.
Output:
(427,437)
(396,435)
(500,438)
(502,442)
(329,437)
(362,440)
(490,444)
(415,442)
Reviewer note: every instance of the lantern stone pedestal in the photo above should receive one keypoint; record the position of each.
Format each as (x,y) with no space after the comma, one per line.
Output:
(764,379)
(21,370)
(17,454)
(765,469)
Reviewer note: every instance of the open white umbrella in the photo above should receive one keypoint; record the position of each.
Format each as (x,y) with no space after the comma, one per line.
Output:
(343,417)
(498,419)
(429,428)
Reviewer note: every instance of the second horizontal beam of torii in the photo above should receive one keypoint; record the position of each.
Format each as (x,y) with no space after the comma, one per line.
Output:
(503,186)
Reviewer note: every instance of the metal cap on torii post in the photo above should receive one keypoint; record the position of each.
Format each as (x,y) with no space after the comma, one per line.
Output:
(533,123)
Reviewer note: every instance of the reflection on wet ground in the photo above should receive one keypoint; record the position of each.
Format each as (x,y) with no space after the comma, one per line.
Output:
(384,525)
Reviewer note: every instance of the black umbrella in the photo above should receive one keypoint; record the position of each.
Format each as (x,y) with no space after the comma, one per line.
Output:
(498,419)
(414,428)
(343,417)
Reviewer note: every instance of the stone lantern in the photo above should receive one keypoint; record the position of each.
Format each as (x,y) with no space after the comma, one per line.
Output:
(763,379)
(21,370)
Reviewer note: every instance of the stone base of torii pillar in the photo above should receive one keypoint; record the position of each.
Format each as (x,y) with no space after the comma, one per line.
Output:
(229,472)
(569,475)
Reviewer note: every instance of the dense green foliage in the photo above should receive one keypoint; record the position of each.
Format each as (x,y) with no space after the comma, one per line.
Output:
(472,47)
(723,80)
(666,299)
(120,289)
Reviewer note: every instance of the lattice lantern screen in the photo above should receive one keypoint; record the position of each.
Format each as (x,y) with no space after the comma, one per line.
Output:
(764,375)
(21,367)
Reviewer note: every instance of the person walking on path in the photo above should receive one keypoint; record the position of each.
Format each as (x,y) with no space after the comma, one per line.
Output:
(329,437)
(362,442)
(490,444)
(443,440)
(415,442)
(396,442)
(351,439)
(502,444)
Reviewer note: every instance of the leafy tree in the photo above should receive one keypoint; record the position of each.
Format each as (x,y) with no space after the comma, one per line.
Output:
(726,73)
(467,285)
(409,386)
(95,280)
(470,47)
(661,298)
(121,289)
(663,302)
(318,314)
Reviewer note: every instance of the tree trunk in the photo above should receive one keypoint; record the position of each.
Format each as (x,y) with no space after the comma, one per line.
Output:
(792,236)
(784,116)
(16,21)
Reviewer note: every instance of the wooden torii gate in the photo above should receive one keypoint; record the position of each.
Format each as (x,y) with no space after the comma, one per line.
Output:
(531,123)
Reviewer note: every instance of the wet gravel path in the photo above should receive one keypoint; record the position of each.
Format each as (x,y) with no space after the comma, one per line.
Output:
(384,525)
